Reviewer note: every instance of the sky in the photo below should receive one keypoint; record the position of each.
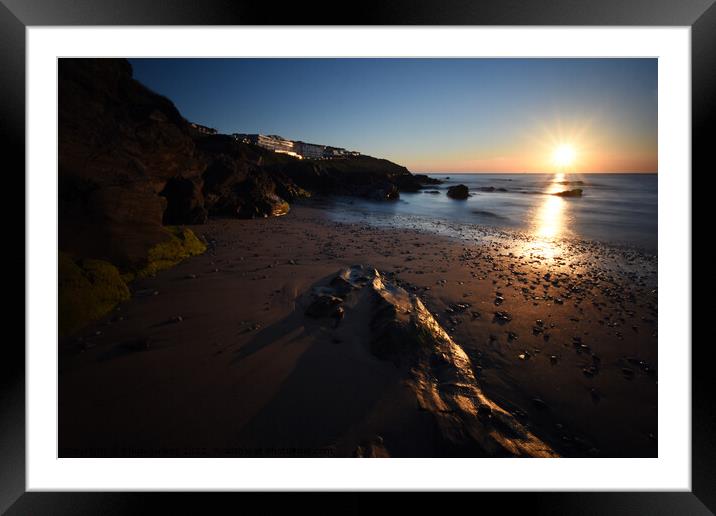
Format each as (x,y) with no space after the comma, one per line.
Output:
(431,115)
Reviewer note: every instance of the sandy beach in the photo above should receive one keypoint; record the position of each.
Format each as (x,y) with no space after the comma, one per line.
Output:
(215,356)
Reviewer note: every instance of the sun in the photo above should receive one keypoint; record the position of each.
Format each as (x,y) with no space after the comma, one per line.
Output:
(564,155)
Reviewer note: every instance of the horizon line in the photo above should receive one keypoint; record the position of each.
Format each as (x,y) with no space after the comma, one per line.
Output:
(522,172)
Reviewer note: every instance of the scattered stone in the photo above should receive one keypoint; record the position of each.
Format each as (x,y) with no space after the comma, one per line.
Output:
(457,307)
(502,317)
(590,371)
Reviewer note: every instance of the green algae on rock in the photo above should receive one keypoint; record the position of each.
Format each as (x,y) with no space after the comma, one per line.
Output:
(88,289)
(180,244)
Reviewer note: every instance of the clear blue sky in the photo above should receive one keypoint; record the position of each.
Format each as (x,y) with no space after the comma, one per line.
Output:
(430,114)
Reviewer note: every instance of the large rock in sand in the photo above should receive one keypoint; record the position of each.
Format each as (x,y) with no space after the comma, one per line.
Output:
(438,370)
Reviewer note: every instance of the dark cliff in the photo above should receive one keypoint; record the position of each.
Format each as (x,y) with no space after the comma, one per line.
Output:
(132,168)
(119,144)
(130,163)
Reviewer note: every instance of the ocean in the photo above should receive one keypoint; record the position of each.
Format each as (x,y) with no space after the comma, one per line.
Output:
(614,208)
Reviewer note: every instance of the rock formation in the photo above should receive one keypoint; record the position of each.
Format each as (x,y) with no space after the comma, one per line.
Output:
(437,369)
(361,176)
(119,146)
(237,185)
(459,192)
(130,163)
(131,166)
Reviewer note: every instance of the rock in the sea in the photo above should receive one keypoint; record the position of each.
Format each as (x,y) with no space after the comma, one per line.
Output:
(459,192)
(438,370)
(577,192)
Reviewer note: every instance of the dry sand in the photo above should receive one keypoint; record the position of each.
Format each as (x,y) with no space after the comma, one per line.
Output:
(215,358)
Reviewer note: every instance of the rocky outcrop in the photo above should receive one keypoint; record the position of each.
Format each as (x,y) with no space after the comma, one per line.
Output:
(577,192)
(437,369)
(236,184)
(119,146)
(360,176)
(414,182)
(129,163)
(459,192)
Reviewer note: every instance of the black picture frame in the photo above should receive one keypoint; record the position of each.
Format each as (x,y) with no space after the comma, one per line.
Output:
(17,15)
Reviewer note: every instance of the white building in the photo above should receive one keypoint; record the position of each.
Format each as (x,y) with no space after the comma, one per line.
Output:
(297,149)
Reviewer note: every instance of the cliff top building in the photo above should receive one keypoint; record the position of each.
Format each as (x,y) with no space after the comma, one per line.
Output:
(297,149)
(203,129)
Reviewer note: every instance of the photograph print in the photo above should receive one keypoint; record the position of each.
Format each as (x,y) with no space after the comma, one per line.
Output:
(357,257)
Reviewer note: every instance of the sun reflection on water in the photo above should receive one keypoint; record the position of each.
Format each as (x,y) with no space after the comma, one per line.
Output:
(549,220)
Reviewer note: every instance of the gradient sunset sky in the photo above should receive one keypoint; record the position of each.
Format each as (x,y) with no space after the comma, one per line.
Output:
(431,115)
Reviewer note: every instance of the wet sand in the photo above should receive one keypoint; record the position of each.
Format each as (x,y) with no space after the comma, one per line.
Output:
(215,358)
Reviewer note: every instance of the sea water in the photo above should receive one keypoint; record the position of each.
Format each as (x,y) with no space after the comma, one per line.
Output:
(614,208)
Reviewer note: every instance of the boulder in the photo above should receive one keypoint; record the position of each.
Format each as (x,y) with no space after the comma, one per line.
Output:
(459,192)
